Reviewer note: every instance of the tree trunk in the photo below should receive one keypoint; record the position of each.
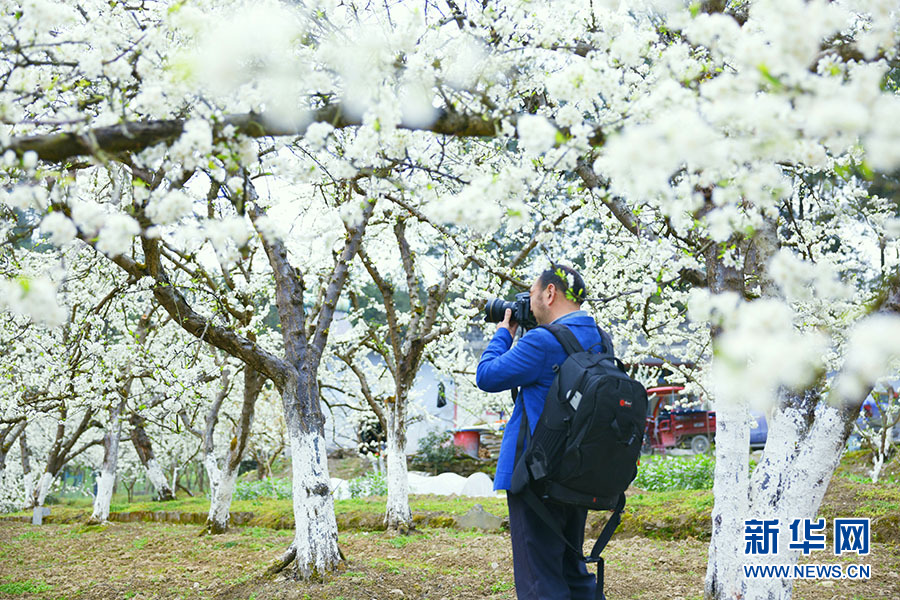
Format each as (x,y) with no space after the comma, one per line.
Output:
(314,550)
(144,448)
(107,481)
(27,476)
(42,489)
(878,458)
(221,493)
(129,489)
(7,438)
(730,490)
(806,439)
(263,464)
(222,481)
(397,513)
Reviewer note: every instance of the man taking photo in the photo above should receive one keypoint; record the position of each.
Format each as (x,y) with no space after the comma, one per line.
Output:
(544,567)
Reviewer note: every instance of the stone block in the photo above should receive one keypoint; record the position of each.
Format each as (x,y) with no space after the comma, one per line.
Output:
(478,518)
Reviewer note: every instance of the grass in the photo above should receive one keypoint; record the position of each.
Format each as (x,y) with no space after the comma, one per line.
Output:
(405,540)
(19,588)
(666,515)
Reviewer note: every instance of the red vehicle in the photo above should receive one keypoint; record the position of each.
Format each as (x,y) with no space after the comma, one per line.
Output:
(676,419)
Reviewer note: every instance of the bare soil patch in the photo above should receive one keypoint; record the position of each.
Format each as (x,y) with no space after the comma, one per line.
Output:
(147,561)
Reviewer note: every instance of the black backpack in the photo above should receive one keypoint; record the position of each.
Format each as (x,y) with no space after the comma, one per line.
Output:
(587,442)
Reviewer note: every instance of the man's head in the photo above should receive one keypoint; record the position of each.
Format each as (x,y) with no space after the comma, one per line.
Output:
(556,292)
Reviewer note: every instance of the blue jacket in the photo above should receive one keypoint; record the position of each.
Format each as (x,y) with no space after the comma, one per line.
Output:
(528,365)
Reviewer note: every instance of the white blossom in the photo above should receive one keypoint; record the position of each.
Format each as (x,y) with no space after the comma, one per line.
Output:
(168,207)
(34,297)
(117,233)
(195,141)
(872,352)
(536,133)
(59,227)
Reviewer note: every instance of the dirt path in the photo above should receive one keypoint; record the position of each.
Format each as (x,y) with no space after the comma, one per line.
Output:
(144,561)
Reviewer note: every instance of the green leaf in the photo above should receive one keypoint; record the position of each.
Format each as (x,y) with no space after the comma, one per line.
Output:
(866,171)
(764,71)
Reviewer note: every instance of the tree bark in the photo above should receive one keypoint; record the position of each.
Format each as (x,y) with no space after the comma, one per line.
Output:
(144,448)
(43,488)
(8,436)
(107,481)
(314,550)
(222,481)
(398,515)
(27,476)
(136,136)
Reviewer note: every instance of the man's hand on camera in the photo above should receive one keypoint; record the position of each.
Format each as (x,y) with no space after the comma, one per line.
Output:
(508,324)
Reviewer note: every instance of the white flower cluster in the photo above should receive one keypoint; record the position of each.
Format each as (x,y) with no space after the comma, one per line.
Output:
(167,207)
(25,197)
(34,297)
(59,227)
(872,352)
(194,142)
(759,349)
(226,236)
(116,234)
(536,134)
(803,280)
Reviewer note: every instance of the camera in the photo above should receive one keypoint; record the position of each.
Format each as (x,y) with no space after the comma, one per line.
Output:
(495,310)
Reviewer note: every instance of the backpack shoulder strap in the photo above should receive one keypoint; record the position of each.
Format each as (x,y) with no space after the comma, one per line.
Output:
(541,510)
(565,337)
(606,339)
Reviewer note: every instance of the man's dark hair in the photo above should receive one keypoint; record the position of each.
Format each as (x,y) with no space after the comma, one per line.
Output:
(559,276)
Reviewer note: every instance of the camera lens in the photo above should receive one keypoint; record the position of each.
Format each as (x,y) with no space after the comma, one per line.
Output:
(495,310)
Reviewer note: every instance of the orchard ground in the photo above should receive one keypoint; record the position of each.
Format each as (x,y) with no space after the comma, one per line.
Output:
(660,552)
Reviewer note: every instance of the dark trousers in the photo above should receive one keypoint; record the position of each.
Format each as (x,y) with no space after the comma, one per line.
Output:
(543,566)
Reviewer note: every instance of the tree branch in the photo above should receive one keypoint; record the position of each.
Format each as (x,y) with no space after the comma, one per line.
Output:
(616,206)
(339,276)
(137,135)
(253,382)
(387,296)
(450,235)
(289,288)
(364,388)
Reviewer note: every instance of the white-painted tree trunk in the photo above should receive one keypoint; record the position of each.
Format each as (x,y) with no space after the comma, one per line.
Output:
(106,484)
(144,448)
(220,504)
(877,464)
(28,481)
(158,479)
(730,489)
(27,474)
(315,548)
(107,481)
(221,490)
(43,488)
(789,483)
(214,473)
(880,453)
(397,513)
